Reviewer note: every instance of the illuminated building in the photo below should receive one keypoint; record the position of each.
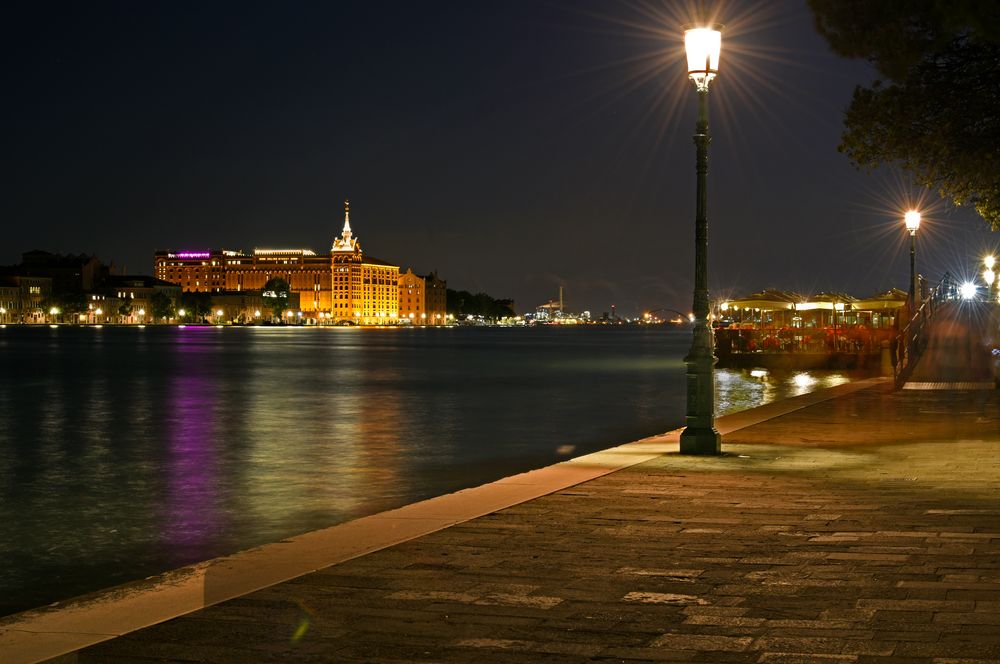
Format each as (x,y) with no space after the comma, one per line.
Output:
(22,298)
(344,286)
(422,300)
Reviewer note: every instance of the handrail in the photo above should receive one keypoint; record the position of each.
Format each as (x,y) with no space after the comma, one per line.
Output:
(912,340)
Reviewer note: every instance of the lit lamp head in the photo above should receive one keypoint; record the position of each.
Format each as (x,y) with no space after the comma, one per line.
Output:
(989,262)
(703,45)
(989,276)
(912,219)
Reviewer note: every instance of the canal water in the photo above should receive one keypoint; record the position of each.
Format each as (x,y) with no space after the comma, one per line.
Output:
(126,452)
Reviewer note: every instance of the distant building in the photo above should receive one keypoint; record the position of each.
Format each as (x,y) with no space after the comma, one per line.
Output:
(136,292)
(69,273)
(365,290)
(23,298)
(423,300)
(343,286)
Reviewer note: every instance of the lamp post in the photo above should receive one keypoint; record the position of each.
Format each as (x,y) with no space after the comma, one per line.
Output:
(912,220)
(703,45)
(989,276)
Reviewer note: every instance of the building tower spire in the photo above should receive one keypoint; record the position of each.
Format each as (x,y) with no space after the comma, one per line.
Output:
(346,241)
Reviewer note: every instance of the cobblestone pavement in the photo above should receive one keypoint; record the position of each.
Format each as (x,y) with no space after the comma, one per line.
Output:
(861,529)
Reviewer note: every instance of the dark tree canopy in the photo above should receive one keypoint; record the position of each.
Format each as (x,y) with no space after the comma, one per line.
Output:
(937,115)
(196,305)
(276,292)
(464,303)
(161,305)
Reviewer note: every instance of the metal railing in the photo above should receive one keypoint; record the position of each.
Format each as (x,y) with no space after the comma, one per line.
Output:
(912,340)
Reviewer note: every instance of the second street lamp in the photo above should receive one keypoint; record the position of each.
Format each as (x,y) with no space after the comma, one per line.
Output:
(912,220)
(703,45)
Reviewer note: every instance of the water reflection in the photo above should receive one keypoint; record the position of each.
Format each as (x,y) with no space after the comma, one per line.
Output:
(739,389)
(126,452)
(192,503)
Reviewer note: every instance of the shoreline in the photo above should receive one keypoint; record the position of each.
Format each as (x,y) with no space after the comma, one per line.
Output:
(50,631)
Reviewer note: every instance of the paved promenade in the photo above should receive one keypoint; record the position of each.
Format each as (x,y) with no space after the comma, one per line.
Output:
(864,528)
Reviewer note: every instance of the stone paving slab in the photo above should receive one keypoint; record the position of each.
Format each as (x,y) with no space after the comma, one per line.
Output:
(862,529)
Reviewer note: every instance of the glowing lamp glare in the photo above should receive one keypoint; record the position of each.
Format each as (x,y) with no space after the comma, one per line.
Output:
(703,46)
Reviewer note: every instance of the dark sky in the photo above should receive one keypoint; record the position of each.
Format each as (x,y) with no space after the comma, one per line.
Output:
(513,146)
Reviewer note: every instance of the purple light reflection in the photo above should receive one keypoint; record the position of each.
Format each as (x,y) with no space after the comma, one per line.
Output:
(193,509)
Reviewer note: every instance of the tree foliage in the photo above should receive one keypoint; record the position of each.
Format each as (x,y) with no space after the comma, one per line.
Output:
(196,305)
(275,291)
(937,114)
(161,305)
(464,303)
(68,304)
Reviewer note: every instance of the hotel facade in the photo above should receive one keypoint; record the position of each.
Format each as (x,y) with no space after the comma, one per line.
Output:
(344,286)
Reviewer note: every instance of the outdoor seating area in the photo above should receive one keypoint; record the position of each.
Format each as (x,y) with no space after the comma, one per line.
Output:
(825,325)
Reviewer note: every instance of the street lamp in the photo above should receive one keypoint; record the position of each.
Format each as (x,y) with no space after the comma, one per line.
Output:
(703,45)
(912,220)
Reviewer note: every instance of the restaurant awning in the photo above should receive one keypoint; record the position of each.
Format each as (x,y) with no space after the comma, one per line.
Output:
(891,299)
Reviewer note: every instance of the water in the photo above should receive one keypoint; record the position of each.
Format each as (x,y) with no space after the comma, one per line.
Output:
(128,452)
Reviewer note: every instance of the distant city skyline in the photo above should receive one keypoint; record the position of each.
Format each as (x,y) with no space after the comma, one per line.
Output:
(514,148)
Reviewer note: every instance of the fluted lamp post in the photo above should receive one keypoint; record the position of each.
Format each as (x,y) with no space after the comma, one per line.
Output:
(912,220)
(703,44)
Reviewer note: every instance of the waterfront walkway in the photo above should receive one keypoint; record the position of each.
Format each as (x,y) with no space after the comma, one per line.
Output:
(959,341)
(861,528)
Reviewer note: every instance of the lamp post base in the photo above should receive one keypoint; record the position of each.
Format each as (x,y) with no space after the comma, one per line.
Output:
(704,442)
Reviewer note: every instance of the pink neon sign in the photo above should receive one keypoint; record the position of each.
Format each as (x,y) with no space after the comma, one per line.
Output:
(194,254)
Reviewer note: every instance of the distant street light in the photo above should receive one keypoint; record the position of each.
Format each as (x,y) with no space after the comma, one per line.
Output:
(703,45)
(968,290)
(912,220)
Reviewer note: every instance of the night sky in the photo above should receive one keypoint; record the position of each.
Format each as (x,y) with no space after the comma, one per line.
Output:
(513,146)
